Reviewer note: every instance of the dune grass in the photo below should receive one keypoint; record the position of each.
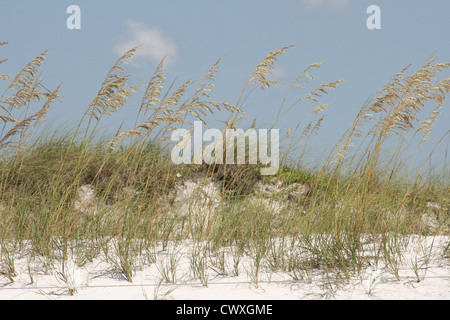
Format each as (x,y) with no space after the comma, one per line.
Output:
(353,195)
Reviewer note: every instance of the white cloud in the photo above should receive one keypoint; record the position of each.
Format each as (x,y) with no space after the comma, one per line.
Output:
(153,46)
(331,4)
(279,74)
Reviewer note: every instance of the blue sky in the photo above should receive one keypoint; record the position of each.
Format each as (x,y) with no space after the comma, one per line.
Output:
(194,34)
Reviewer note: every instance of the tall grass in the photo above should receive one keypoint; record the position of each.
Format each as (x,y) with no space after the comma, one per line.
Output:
(351,197)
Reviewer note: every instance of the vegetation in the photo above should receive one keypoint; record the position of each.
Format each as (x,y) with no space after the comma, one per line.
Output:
(353,195)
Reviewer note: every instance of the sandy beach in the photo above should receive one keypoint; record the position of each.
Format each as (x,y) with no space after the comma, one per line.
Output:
(424,273)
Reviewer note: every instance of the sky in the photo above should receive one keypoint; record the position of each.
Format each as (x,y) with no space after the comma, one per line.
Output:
(192,35)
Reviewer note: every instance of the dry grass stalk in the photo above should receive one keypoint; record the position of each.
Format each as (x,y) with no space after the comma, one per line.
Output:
(23,125)
(153,91)
(400,100)
(307,130)
(162,114)
(259,77)
(264,69)
(199,108)
(170,111)
(28,73)
(3,76)
(438,94)
(321,90)
(113,91)
(27,86)
(406,97)
(313,95)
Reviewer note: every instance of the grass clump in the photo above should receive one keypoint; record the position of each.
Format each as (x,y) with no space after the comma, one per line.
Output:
(116,197)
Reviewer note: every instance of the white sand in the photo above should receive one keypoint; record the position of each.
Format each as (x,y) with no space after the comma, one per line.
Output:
(423,274)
